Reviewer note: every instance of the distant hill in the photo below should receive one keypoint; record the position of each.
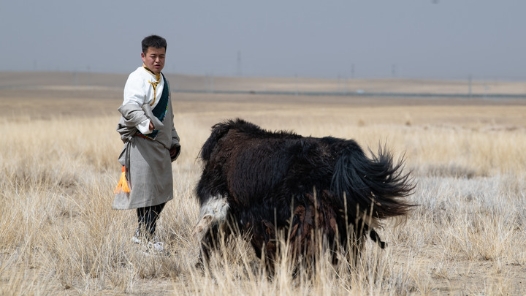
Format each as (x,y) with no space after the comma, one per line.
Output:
(265,85)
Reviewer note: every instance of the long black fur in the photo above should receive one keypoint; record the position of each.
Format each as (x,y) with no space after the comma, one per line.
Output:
(283,181)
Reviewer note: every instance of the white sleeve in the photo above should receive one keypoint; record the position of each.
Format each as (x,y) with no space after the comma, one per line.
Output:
(144,127)
(134,92)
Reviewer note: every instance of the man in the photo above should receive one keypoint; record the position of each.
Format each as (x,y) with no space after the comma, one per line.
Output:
(150,141)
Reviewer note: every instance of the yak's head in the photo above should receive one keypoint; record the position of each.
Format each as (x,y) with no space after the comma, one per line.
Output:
(219,130)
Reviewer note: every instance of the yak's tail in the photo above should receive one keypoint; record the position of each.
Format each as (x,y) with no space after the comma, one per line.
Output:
(376,186)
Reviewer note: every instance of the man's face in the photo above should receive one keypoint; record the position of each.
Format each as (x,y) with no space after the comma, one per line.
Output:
(154,59)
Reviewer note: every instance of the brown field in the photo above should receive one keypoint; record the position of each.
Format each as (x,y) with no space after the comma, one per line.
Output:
(59,235)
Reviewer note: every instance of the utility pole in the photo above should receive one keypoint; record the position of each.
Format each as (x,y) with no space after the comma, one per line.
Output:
(89,74)
(296,82)
(239,67)
(469,85)
(75,78)
(210,83)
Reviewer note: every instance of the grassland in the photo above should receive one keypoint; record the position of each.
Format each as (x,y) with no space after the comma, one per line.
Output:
(58,168)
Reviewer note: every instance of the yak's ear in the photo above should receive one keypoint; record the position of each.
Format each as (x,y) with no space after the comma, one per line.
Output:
(218,131)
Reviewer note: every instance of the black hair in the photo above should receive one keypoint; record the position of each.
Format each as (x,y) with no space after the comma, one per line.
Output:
(153,41)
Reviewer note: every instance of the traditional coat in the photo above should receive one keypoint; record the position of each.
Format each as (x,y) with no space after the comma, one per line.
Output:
(146,154)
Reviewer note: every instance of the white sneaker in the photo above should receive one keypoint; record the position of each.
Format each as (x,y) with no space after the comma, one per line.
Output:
(156,246)
(136,239)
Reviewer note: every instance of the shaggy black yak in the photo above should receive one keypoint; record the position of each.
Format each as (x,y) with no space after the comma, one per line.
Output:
(256,183)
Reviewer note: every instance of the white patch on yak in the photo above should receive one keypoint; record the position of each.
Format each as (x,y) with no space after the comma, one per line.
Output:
(213,211)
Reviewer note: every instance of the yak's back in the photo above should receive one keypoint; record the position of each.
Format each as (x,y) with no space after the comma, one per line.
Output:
(258,164)
(239,130)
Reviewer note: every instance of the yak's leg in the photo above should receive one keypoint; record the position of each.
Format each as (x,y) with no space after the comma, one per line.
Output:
(376,238)
(263,240)
(258,249)
(212,241)
(208,243)
(265,254)
(213,216)
(357,235)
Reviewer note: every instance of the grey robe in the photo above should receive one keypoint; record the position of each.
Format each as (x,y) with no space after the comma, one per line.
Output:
(148,161)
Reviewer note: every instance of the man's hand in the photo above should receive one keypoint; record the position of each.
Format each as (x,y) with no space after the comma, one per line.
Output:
(151,127)
(175,151)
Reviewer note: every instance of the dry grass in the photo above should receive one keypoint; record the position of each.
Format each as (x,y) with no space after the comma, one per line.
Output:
(58,234)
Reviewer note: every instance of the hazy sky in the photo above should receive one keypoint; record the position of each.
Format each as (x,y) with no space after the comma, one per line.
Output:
(376,38)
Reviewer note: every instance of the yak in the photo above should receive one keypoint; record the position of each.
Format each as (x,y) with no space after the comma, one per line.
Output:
(258,183)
